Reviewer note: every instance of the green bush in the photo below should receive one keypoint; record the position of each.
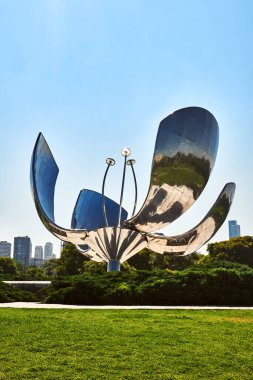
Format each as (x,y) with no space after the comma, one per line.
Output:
(201,284)
(9,293)
(238,250)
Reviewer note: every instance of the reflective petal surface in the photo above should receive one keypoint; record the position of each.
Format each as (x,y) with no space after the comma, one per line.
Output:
(88,252)
(114,243)
(88,211)
(184,156)
(185,152)
(43,175)
(194,239)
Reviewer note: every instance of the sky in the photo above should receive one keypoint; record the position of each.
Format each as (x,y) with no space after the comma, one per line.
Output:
(96,76)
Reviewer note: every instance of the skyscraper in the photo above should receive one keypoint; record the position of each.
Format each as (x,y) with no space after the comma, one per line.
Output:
(22,250)
(234,229)
(48,251)
(38,252)
(5,249)
(37,260)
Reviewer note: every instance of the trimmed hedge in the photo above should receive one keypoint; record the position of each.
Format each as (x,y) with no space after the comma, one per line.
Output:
(9,293)
(213,284)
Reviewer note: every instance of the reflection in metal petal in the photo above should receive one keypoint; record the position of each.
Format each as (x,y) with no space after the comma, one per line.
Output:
(194,239)
(86,251)
(184,156)
(43,175)
(88,211)
(116,244)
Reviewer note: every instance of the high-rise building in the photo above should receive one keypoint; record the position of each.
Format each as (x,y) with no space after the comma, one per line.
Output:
(22,250)
(48,251)
(38,252)
(5,249)
(37,260)
(234,229)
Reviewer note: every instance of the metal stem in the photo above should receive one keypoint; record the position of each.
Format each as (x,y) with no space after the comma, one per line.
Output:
(103,195)
(122,191)
(113,265)
(136,191)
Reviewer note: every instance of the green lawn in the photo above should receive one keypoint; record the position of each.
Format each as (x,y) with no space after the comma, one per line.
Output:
(125,344)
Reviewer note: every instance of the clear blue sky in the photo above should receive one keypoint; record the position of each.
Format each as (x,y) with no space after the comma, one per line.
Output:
(95,76)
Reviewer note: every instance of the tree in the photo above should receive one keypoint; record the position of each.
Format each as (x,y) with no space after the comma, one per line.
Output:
(91,266)
(8,266)
(141,260)
(71,261)
(50,267)
(35,273)
(238,250)
(149,260)
(181,262)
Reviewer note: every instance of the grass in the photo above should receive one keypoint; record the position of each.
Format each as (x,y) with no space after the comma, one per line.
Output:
(125,344)
(180,176)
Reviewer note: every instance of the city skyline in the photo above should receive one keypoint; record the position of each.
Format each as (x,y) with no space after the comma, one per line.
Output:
(97,77)
(9,245)
(233,230)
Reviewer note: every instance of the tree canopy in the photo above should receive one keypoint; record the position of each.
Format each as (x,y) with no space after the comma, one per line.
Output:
(7,265)
(71,261)
(238,250)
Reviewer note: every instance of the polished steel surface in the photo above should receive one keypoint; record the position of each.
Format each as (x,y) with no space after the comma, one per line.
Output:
(184,156)
(192,240)
(110,162)
(43,175)
(131,163)
(125,152)
(88,211)
(89,253)
(113,265)
(114,243)
(103,194)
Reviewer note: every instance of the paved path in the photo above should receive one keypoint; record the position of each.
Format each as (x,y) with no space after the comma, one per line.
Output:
(37,305)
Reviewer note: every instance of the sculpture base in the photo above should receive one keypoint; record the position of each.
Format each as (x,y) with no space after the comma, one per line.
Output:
(113,265)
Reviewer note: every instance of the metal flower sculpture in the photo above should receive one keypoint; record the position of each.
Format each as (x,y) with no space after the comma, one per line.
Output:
(185,151)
